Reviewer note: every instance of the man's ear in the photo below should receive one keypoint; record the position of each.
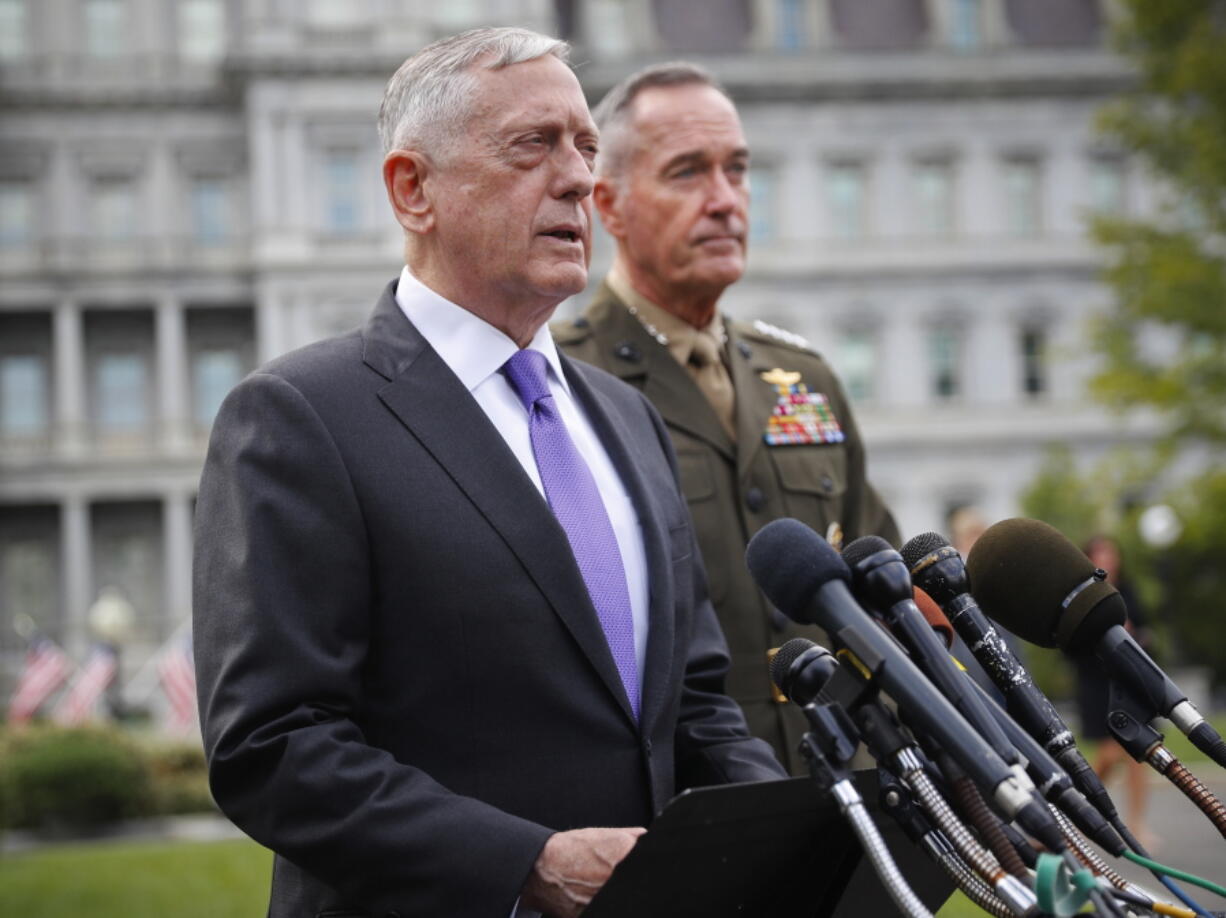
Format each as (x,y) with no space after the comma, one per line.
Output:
(609,200)
(405,173)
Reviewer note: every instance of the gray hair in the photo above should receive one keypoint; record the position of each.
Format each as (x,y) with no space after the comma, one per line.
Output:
(614,112)
(427,99)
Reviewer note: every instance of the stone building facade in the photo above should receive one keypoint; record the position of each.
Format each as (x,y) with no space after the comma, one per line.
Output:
(190,187)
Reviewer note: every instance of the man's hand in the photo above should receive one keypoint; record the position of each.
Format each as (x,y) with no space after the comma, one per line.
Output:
(573,866)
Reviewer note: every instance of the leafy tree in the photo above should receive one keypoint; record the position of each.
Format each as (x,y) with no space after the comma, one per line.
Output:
(1163,342)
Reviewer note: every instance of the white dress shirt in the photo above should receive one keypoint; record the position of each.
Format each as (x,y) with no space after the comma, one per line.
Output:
(475,351)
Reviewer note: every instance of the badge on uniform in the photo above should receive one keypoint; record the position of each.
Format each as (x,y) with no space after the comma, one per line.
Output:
(799,416)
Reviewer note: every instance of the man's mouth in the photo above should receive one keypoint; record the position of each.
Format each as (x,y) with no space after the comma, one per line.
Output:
(567,235)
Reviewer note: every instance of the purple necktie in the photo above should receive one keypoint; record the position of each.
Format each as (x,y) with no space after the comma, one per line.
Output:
(575,501)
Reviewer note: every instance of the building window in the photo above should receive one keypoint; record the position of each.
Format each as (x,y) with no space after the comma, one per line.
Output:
(607,27)
(945,361)
(341,192)
(333,13)
(789,25)
(762,216)
(105,28)
(202,30)
(121,386)
(845,194)
(934,198)
(858,363)
(114,208)
(209,210)
(214,374)
(966,24)
(29,585)
(23,395)
(1033,344)
(16,214)
(1107,186)
(13,35)
(1022,188)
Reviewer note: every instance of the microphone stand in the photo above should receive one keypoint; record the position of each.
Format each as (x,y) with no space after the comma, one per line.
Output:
(828,748)
(1128,720)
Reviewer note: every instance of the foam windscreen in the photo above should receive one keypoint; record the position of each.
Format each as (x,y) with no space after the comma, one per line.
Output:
(790,562)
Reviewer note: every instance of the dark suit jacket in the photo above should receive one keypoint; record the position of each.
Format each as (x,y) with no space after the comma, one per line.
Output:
(404,687)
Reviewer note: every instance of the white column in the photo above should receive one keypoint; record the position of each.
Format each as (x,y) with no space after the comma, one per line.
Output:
(903,360)
(171,333)
(889,207)
(177,560)
(69,369)
(76,562)
(993,370)
(977,186)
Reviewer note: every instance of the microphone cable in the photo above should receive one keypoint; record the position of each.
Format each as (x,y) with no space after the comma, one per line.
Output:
(1163,762)
(1140,851)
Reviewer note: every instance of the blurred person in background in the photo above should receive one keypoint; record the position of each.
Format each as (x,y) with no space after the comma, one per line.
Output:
(1093,687)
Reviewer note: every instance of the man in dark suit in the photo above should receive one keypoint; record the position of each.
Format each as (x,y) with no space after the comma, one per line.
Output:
(451,624)
(761,426)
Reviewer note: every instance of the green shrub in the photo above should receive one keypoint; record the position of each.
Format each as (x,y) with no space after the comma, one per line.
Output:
(180,779)
(63,779)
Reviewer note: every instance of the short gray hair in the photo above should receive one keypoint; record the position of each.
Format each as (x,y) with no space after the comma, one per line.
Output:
(427,99)
(614,112)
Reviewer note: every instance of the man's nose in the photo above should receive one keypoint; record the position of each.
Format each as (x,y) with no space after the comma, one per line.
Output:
(574,175)
(722,195)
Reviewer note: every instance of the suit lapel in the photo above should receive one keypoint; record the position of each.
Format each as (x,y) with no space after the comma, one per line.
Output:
(428,399)
(621,448)
(664,381)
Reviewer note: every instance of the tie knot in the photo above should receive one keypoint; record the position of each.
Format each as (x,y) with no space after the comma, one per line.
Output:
(528,372)
(705,350)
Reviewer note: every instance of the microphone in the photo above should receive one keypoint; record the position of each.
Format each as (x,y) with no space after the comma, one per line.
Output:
(1071,606)
(807,580)
(938,569)
(881,579)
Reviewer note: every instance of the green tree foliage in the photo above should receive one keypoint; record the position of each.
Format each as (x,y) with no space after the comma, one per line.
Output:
(1168,272)
(1163,342)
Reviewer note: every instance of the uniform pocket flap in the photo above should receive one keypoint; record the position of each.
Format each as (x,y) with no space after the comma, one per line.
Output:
(820,470)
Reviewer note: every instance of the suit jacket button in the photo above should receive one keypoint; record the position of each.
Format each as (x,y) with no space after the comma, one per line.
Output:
(755,500)
(627,351)
(647,747)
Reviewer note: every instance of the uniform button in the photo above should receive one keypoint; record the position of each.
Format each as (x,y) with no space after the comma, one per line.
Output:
(827,483)
(745,349)
(755,500)
(627,351)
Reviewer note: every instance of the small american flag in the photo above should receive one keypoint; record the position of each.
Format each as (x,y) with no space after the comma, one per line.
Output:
(46,668)
(82,696)
(178,675)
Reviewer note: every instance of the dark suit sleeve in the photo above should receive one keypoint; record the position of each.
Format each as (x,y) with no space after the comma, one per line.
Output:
(713,744)
(282,592)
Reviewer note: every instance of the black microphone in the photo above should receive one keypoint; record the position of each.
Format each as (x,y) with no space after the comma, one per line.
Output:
(882,582)
(938,569)
(1030,578)
(807,580)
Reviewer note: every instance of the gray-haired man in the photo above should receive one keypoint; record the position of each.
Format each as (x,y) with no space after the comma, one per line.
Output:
(450,619)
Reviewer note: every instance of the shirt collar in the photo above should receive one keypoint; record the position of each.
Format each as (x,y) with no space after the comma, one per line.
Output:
(678,334)
(470,346)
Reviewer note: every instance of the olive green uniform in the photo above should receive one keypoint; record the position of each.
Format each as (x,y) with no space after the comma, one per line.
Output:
(734,489)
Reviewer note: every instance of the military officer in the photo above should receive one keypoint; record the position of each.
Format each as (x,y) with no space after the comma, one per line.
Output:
(761,427)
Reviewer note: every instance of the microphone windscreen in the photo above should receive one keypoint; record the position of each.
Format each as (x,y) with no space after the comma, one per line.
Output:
(783,659)
(921,547)
(935,618)
(864,546)
(1021,573)
(790,562)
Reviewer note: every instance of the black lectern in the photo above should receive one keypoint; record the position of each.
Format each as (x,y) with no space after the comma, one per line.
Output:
(779,849)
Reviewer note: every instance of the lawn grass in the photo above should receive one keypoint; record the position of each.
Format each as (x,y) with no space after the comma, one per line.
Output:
(225,879)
